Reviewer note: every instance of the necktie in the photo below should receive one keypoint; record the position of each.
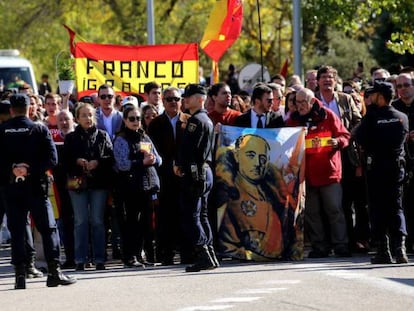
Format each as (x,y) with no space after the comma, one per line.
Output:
(259,121)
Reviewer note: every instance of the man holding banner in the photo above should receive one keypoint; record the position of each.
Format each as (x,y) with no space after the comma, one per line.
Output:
(261,116)
(326,137)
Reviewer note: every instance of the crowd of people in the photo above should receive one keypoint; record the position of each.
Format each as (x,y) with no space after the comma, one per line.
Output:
(137,174)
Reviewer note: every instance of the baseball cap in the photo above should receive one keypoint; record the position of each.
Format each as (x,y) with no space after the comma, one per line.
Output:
(19,100)
(193,89)
(384,88)
(130,100)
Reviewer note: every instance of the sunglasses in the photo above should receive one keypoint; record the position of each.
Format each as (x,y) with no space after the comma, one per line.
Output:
(270,100)
(400,86)
(133,119)
(105,96)
(171,99)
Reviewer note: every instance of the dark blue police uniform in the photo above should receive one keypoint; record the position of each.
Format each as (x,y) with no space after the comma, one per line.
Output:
(24,142)
(382,134)
(194,154)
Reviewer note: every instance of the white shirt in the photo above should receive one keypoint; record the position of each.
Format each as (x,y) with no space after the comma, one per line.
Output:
(108,123)
(254,119)
(333,105)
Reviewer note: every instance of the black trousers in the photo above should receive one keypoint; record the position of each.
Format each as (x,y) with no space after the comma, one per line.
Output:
(20,200)
(194,209)
(385,202)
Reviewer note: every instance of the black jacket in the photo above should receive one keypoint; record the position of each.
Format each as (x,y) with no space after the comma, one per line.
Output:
(273,120)
(139,176)
(161,132)
(25,141)
(91,144)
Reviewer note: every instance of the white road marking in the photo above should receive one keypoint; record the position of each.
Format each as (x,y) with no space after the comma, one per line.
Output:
(236,299)
(261,290)
(226,303)
(207,308)
(282,282)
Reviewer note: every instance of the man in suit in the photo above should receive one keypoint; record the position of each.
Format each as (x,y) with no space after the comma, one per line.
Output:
(108,118)
(166,132)
(261,116)
(345,108)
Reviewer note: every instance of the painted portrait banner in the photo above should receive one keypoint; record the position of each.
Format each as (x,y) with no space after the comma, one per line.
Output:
(260,193)
(129,68)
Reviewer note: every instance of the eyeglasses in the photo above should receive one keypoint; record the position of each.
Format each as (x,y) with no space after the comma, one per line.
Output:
(105,96)
(400,86)
(349,91)
(300,102)
(270,100)
(171,99)
(133,119)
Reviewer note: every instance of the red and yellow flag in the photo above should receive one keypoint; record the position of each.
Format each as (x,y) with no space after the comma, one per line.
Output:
(318,142)
(129,67)
(284,70)
(223,28)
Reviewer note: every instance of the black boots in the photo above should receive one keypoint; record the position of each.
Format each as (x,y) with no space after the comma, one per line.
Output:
(20,274)
(31,271)
(55,276)
(400,253)
(383,255)
(203,260)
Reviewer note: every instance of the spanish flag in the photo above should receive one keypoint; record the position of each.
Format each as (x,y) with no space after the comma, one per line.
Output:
(223,28)
(318,142)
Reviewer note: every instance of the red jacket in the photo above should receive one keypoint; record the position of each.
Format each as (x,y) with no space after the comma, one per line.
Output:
(323,164)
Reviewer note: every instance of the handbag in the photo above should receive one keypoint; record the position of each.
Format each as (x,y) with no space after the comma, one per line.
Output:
(77,183)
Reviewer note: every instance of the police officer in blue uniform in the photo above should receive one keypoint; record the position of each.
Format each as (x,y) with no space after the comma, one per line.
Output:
(382,134)
(28,152)
(194,154)
(31,270)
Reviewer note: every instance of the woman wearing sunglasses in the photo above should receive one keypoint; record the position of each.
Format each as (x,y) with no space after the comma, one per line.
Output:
(138,185)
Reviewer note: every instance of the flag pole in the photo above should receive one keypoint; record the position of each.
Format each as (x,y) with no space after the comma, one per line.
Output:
(260,39)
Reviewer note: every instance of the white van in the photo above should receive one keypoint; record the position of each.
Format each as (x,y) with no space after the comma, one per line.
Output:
(15,71)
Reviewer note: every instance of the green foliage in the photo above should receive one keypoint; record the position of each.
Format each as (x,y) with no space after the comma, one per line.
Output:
(35,28)
(343,53)
(65,68)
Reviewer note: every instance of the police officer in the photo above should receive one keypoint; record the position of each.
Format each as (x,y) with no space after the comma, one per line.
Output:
(192,166)
(28,152)
(31,270)
(382,134)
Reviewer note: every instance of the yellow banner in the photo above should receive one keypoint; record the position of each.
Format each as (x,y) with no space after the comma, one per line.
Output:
(130,77)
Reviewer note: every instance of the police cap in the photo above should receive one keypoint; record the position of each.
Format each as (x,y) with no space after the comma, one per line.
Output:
(193,89)
(19,100)
(384,88)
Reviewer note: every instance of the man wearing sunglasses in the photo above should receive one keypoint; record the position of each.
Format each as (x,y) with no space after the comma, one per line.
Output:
(261,116)
(166,131)
(405,104)
(108,118)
